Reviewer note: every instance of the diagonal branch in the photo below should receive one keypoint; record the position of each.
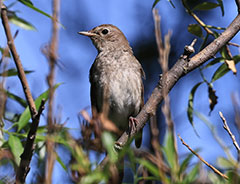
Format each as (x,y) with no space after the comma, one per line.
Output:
(183,66)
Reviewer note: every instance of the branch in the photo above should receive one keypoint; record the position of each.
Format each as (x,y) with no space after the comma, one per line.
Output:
(52,57)
(183,66)
(35,115)
(226,127)
(204,161)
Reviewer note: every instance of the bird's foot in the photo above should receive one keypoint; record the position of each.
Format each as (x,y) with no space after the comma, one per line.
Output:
(132,125)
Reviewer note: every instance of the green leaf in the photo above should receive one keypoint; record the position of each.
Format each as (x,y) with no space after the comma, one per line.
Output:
(221,71)
(21,23)
(29,4)
(185,164)
(155,3)
(206,6)
(153,169)
(7,54)
(17,99)
(13,72)
(195,29)
(214,61)
(25,117)
(170,153)
(190,103)
(16,147)
(61,162)
(212,97)
(192,175)
(108,143)
(225,163)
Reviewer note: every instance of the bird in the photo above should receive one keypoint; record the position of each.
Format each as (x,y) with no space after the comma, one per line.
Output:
(116,78)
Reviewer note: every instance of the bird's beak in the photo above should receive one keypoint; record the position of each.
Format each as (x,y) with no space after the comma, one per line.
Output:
(87,33)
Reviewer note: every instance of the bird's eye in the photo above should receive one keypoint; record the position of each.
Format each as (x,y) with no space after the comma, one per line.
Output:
(105,31)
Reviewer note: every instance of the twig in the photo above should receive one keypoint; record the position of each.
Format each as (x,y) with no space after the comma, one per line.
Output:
(226,127)
(18,63)
(26,156)
(200,158)
(52,56)
(35,115)
(164,51)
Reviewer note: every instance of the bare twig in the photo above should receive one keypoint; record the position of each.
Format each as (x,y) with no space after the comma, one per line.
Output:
(204,161)
(52,56)
(226,127)
(164,51)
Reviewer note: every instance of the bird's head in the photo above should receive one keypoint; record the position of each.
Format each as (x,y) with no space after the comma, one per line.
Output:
(107,37)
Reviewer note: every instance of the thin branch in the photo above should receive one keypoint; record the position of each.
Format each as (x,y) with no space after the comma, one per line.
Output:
(204,161)
(226,127)
(26,156)
(18,63)
(52,56)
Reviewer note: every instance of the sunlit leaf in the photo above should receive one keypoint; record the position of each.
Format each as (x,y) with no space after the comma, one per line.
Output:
(206,6)
(25,117)
(231,66)
(108,143)
(225,163)
(13,72)
(21,23)
(190,102)
(195,29)
(29,4)
(16,147)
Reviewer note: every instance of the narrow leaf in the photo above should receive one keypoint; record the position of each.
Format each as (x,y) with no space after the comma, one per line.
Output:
(153,169)
(195,29)
(16,147)
(220,2)
(221,71)
(25,117)
(21,23)
(190,102)
(214,61)
(29,4)
(206,6)
(61,163)
(185,164)
(18,99)
(13,72)
(192,175)
(108,143)
(155,3)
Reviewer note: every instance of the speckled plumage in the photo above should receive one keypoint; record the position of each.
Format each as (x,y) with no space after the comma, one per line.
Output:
(115,75)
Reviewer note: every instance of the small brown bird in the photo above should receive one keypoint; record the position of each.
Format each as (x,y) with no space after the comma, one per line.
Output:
(115,77)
